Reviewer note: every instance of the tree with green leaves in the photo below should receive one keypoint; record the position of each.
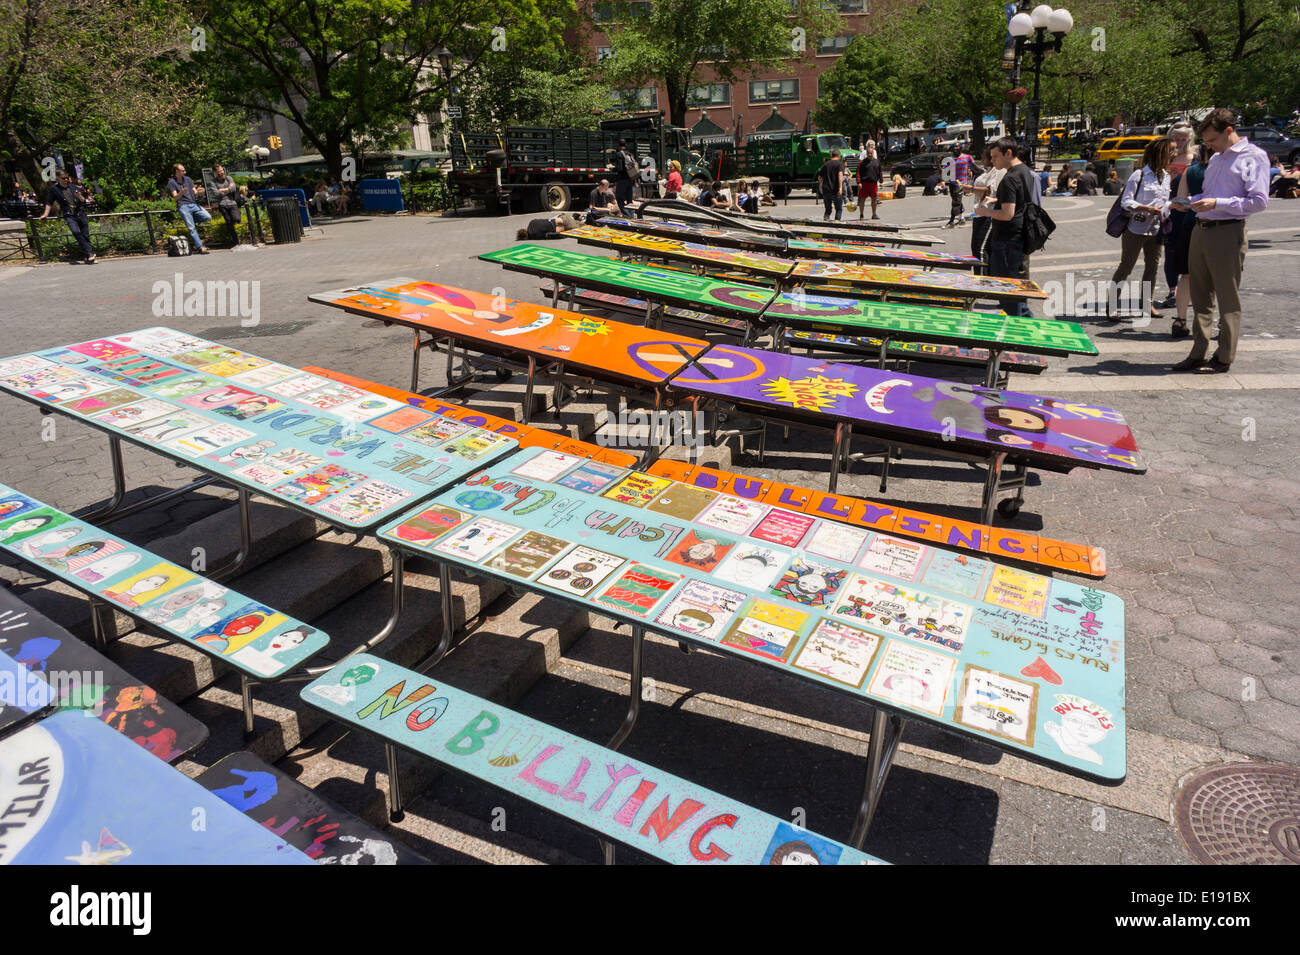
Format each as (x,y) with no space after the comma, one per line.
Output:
(538,87)
(673,40)
(868,88)
(68,67)
(352,73)
(957,46)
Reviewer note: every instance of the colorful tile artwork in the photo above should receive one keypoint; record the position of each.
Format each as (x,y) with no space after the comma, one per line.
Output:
(1027,661)
(352,457)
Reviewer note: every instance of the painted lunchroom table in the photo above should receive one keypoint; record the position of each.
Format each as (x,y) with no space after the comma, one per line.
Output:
(1028,664)
(557,343)
(339,454)
(764,307)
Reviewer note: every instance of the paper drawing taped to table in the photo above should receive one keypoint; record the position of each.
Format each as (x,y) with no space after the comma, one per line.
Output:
(580,570)
(50,545)
(546,466)
(782,527)
(147,585)
(638,589)
(998,704)
(123,415)
(810,583)
(955,572)
(912,677)
(475,541)
(526,556)
(360,504)
(702,553)
(270,657)
(637,489)
(11,505)
(77,555)
(430,524)
(1024,593)
(313,487)
(767,629)
(732,514)
(897,611)
(702,609)
(753,565)
(838,652)
(893,557)
(189,609)
(102,401)
(1082,725)
(682,501)
(240,628)
(30,521)
(110,567)
(791,846)
(591,477)
(837,542)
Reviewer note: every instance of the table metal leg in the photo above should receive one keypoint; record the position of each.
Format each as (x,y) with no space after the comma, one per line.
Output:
(886,732)
(395,812)
(528,390)
(245,538)
(884,350)
(842,431)
(399,603)
(629,721)
(103,623)
(246,694)
(448,620)
(555,294)
(991,368)
(120,514)
(991,483)
(119,482)
(415,363)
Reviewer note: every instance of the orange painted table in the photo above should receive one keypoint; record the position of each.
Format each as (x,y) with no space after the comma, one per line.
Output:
(614,352)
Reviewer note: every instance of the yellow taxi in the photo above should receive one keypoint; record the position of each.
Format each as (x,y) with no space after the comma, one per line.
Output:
(1045,135)
(1124,147)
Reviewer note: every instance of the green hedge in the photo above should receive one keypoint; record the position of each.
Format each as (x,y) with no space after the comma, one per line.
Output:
(425,191)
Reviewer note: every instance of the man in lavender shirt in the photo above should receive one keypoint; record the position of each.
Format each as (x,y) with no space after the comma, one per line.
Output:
(1236,185)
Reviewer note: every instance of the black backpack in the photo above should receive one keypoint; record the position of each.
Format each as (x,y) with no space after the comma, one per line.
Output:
(1038,228)
(178,245)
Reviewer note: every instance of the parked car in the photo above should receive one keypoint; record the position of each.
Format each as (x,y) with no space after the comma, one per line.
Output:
(1045,135)
(1278,146)
(1124,147)
(919,168)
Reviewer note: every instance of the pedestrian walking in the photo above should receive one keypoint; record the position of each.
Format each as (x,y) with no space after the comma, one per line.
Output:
(1235,186)
(831,181)
(181,188)
(71,198)
(957,185)
(1006,244)
(1146,200)
(869,174)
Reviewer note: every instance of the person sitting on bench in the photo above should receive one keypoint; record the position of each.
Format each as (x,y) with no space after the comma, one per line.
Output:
(546,228)
(603,202)
(713,198)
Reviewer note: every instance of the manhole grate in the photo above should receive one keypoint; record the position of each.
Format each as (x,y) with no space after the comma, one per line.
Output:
(260,330)
(1241,814)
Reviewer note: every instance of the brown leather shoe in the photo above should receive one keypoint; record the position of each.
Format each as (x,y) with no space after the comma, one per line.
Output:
(1213,367)
(1189,364)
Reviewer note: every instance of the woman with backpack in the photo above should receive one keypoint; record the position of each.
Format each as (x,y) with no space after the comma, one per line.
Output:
(1145,199)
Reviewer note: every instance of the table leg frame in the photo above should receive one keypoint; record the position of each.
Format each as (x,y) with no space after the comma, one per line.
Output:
(886,733)
(630,718)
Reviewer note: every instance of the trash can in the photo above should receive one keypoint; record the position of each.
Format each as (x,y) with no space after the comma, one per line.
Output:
(286,224)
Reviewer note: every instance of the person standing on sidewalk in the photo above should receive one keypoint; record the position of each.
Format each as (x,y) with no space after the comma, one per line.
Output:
(1006,245)
(626,171)
(831,180)
(1146,199)
(181,188)
(1235,186)
(985,192)
(227,200)
(960,181)
(869,181)
(71,198)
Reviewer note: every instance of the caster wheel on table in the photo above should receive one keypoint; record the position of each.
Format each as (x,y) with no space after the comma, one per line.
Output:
(504,374)
(1009,506)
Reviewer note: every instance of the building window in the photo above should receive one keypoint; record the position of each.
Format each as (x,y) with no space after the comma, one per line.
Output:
(847,6)
(710,94)
(714,54)
(604,53)
(647,97)
(619,12)
(773,91)
(833,45)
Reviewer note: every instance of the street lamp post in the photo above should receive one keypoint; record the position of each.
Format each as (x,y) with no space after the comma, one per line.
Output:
(1041,21)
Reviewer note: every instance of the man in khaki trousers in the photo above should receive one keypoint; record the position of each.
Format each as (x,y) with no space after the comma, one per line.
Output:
(1236,186)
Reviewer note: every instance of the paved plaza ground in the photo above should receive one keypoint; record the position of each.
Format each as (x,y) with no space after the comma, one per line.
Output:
(1203,549)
